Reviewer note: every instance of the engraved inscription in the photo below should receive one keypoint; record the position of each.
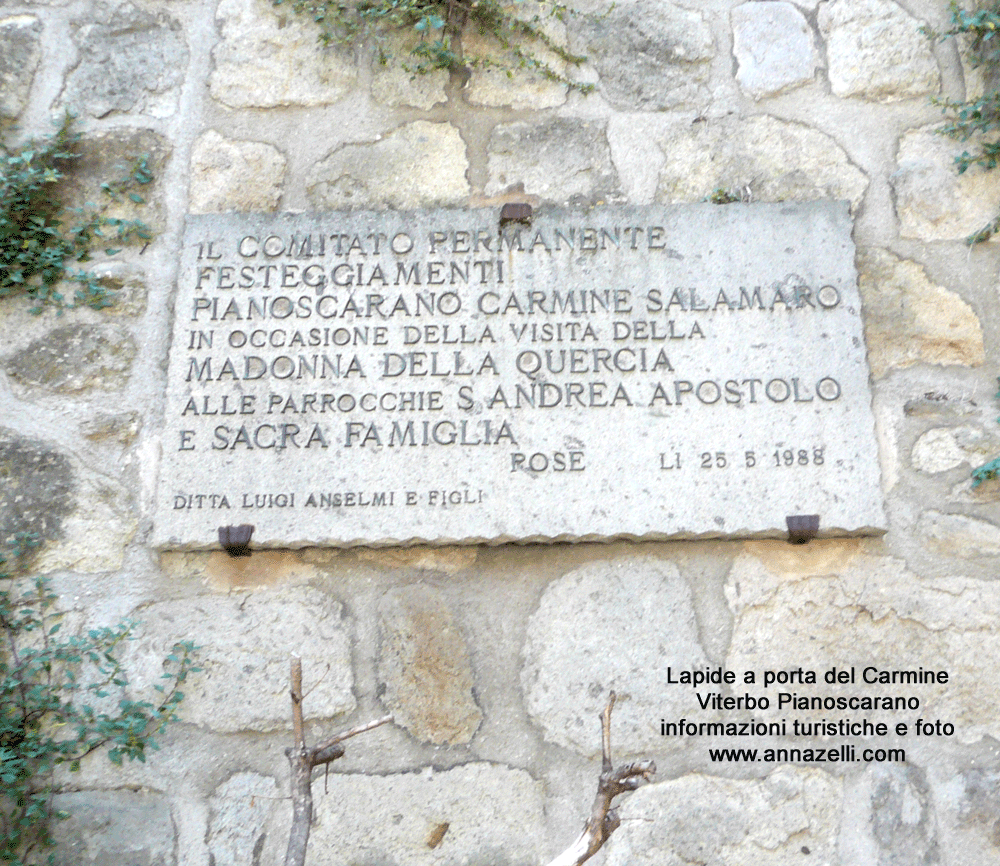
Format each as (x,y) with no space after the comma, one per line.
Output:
(362,377)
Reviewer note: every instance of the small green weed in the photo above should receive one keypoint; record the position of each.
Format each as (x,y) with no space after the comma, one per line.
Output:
(977,118)
(41,238)
(47,680)
(439,25)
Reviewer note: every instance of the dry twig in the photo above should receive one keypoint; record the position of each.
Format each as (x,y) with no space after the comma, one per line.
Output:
(604,819)
(304,759)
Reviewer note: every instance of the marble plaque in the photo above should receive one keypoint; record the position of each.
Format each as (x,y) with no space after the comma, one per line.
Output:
(640,372)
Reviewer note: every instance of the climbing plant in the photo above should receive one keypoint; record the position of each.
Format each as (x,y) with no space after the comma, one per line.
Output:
(438,27)
(63,697)
(42,240)
(977,119)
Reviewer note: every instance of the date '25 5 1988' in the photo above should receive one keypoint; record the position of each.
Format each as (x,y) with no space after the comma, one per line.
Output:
(782,457)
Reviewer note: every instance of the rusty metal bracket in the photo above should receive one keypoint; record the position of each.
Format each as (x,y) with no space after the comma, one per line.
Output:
(802,528)
(235,540)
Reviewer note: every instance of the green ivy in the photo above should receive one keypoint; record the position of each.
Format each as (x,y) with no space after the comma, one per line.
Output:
(977,118)
(439,25)
(41,238)
(48,682)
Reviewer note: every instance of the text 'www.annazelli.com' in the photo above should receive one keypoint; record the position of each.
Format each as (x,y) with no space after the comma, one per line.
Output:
(845,753)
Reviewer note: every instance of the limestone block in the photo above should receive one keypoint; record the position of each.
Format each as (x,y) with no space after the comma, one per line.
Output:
(957,535)
(449,560)
(74,359)
(875,50)
(965,806)
(772,821)
(944,448)
(777,160)
(903,823)
(229,175)
(109,157)
(241,827)
(490,815)
(610,625)
(424,665)
(909,320)
(933,201)
(96,533)
(39,488)
(895,620)
(222,572)
(122,427)
(130,60)
(418,165)
(394,85)
(507,85)
(114,828)
(20,52)
(246,642)
(774,47)
(269,57)
(83,520)
(560,160)
(649,55)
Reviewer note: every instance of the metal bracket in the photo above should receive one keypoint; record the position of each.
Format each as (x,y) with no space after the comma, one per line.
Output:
(235,540)
(515,212)
(802,528)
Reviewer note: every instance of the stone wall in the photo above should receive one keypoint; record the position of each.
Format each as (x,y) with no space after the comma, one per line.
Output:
(495,661)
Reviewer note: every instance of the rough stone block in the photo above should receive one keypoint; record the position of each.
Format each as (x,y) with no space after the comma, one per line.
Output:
(875,50)
(490,816)
(122,428)
(957,535)
(775,159)
(110,157)
(245,826)
(74,359)
(269,57)
(896,621)
(774,47)
(507,84)
(560,160)
(965,806)
(790,817)
(610,626)
(83,520)
(909,320)
(228,175)
(39,487)
(649,55)
(448,560)
(222,572)
(424,665)
(246,643)
(944,448)
(421,164)
(130,60)
(933,201)
(393,85)
(903,824)
(20,52)
(114,828)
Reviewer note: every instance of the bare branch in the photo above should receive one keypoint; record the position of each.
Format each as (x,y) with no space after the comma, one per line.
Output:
(353,732)
(299,730)
(303,760)
(604,820)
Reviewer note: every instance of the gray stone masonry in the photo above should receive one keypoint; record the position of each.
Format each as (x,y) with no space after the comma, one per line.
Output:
(496,659)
